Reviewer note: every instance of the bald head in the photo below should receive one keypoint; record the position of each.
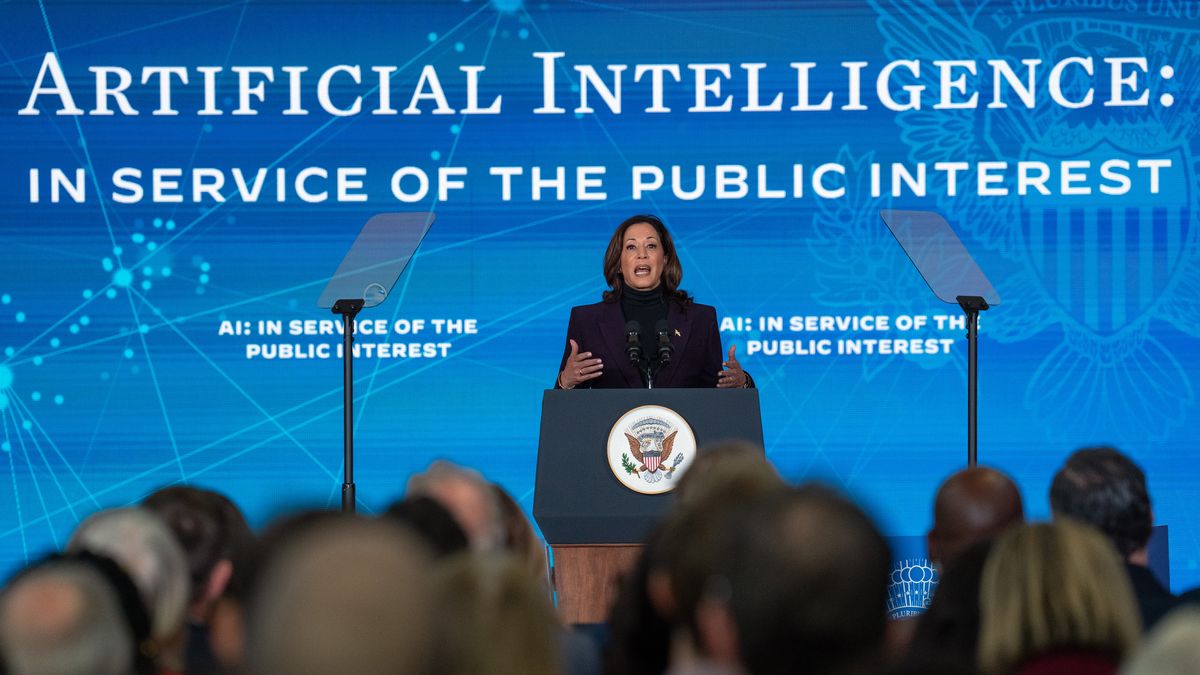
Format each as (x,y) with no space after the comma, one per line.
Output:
(972,505)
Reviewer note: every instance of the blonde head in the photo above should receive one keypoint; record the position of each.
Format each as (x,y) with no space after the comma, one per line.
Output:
(1053,586)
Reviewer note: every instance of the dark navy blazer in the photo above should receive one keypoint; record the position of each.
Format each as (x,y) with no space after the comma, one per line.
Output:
(600,329)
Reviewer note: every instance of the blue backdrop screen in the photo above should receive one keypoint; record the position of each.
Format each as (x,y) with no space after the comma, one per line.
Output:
(179,180)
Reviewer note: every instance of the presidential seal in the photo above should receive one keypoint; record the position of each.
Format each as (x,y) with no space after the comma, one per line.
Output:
(649,448)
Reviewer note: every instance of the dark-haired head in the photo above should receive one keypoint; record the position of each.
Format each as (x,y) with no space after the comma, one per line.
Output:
(432,522)
(1104,488)
(672,271)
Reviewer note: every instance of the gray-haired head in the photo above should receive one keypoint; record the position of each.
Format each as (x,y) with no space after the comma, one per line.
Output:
(63,618)
(470,499)
(142,544)
(1172,648)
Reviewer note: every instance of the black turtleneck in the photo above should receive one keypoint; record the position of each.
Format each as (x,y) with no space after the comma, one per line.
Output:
(647,308)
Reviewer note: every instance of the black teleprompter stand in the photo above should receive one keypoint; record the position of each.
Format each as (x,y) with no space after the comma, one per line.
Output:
(365,277)
(954,277)
(972,305)
(348,309)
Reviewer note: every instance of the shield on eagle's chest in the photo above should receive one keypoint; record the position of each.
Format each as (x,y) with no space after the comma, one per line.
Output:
(652,457)
(1106,259)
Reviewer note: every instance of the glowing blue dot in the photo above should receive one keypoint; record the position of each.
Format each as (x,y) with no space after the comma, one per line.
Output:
(58,399)
(36,396)
(87,293)
(523,33)
(147,271)
(122,278)
(27,425)
(158,222)
(204,267)
(231,219)
(170,224)
(152,246)
(435,155)
(199,290)
(105,375)
(432,37)
(166,272)
(9,351)
(117,250)
(85,320)
(3,405)
(107,264)
(207,128)
(20,317)
(454,129)
(575,87)
(6,446)
(74,329)
(110,293)
(128,353)
(143,329)
(37,360)
(138,238)
(6,377)
(5,299)
(135,369)
(55,342)
(458,46)
(146,285)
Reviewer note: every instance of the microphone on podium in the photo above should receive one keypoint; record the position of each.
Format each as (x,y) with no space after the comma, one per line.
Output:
(633,342)
(665,350)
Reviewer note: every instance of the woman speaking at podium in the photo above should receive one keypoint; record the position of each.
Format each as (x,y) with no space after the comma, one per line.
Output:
(646,331)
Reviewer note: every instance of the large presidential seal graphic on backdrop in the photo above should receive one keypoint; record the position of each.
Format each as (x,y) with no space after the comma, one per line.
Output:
(649,448)
(1106,278)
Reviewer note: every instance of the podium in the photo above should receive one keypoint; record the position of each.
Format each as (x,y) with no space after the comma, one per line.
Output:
(593,523)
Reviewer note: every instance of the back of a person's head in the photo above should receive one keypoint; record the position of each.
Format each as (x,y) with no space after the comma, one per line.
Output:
(731,470)
(1053,586)
(145,547)
(493,618)
(468,496)
(1172,648)
(948,631)
(427,518)
(63,618)
(806,580)
(724,476)
(972,505)
(1106,489)
(343,595)
(520,539)
(207,525)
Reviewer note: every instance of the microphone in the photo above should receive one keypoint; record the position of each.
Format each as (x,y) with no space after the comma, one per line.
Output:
(665,350)
(633,342)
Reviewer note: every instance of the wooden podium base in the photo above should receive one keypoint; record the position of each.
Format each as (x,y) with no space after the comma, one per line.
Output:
(587,578)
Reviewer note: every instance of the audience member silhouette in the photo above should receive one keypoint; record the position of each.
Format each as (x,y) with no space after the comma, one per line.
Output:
(1054,599)
(215,538)
(799,585)
(972,505)
(63,617)
(1104,488)
(144,546)
(342,595)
